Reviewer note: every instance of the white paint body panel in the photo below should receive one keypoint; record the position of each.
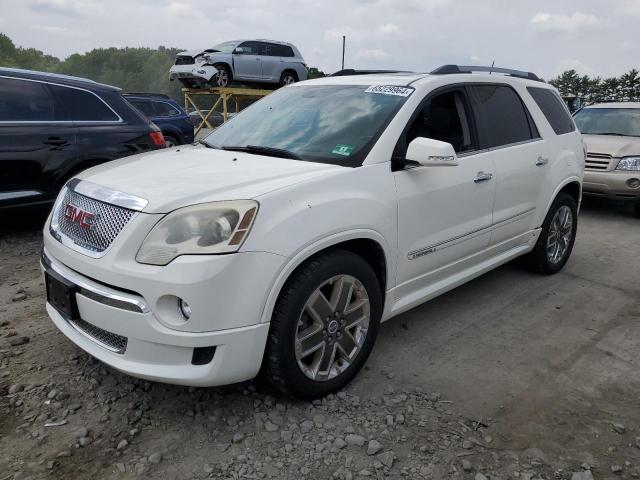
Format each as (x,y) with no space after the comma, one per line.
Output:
(304,208)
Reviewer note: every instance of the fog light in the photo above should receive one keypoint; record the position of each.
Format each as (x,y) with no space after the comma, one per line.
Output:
(185,309)
(633,183)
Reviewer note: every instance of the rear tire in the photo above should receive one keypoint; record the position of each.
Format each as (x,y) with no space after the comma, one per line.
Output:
(170,141)
(324,325)
(557,237)
(287,78)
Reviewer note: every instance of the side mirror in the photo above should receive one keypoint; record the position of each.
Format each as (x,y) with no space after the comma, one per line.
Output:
(431,153)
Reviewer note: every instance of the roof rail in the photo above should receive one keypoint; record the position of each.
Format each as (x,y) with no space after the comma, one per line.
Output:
(351,71)
(451,69)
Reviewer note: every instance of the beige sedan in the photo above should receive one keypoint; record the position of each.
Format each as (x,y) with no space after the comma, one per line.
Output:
(611,132)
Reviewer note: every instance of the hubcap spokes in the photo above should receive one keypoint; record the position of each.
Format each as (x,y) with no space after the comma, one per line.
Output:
(560,232)
(222,78)
(288,80)
(332,328)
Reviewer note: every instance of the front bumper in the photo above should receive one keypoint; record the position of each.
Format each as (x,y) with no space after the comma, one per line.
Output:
(612,185)
(135,304)
(193,72)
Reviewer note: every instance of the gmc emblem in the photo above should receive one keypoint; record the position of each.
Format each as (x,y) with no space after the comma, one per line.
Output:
(77,215)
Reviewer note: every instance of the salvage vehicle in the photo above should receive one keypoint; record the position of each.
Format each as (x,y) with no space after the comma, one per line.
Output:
(281,242)
(611,132)
(54,126)
(174,123)
(255,61)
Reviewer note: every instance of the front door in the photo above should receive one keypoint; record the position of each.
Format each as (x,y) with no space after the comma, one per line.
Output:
(444,213)
(247,63)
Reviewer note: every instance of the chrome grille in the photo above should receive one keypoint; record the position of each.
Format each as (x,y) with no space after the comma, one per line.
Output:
(597,161)
(111,341)
(107,223)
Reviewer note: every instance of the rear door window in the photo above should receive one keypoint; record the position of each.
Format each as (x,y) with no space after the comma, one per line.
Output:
(145,107)
(502,116)
(25,101)
(554,109)
(82,105)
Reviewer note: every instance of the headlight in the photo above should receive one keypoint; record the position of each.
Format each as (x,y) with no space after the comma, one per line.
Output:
(209,228)
(629,163)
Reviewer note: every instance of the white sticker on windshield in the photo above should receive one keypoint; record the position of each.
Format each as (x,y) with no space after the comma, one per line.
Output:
(390,90)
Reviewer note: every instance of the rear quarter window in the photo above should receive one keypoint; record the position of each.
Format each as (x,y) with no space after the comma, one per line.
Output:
(553,109)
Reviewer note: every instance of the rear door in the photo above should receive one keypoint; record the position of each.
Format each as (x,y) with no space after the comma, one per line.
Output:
(36,144)
(270,62)
(247,65)
(511,139)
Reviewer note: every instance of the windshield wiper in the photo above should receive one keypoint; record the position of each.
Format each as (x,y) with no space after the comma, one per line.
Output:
(259,150)
(208,145)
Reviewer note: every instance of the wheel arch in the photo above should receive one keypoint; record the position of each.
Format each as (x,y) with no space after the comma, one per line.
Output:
(293,71)
(226,64)
(369,245)
(572,186)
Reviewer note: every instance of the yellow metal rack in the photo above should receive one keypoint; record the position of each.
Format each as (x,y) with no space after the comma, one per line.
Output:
(224,96)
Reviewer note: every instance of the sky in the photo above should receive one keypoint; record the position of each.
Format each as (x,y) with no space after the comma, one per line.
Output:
(595,37)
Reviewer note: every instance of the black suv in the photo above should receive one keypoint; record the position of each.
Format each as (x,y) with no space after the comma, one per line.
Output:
(54,126)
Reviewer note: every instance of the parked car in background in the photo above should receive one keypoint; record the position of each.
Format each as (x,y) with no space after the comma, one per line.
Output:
(259,61)
(54,126)
(611,132)
(280,243)
(171,119)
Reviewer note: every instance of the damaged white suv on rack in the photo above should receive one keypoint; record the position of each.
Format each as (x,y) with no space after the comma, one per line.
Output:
(279,244)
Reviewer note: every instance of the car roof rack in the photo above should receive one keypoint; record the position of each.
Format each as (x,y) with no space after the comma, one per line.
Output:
(352,71)
(452,69)
(146,94)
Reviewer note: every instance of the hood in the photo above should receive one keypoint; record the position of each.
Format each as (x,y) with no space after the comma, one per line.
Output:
(614,145)
(191,53)
(178,177)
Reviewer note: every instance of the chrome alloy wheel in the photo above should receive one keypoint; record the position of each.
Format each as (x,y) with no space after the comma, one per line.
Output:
(288,79)
(222,79)
(332,328)
(560,232)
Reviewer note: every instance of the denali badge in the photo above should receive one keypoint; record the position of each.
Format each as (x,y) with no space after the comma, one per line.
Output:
(77,215)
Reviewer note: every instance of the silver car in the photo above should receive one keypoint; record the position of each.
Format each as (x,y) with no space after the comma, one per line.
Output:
(260,61)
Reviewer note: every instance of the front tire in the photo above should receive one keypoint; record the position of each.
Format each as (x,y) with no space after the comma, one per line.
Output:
(557,237)
(224,77)
(324,325)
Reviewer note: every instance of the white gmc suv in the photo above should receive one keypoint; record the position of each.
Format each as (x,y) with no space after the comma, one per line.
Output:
(279,244)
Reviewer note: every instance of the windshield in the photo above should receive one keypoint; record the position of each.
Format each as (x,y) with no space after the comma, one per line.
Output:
(611,121)
(226,47)
(335,124)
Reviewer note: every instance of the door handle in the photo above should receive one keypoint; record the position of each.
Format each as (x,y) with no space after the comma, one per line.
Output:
(483,177)
(55,141)
(541,161)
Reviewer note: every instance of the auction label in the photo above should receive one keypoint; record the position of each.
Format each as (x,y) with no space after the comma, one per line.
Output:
(344,150)
(390,90)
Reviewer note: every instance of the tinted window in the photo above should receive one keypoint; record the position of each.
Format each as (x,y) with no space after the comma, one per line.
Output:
(553,108)
(82,106)
(164,109)
(249,48)
(609,121)
(145,107)
(502,117)
(281,50)
(24,101)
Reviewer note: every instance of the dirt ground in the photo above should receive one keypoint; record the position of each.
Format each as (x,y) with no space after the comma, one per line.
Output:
(512,375)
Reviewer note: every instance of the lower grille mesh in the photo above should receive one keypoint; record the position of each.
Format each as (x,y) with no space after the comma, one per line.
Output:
(114,342)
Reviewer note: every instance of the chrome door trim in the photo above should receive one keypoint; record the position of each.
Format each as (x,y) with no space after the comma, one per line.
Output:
(19,194)
(421,252)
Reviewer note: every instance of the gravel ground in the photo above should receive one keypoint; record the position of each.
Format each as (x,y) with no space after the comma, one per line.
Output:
(510,376)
